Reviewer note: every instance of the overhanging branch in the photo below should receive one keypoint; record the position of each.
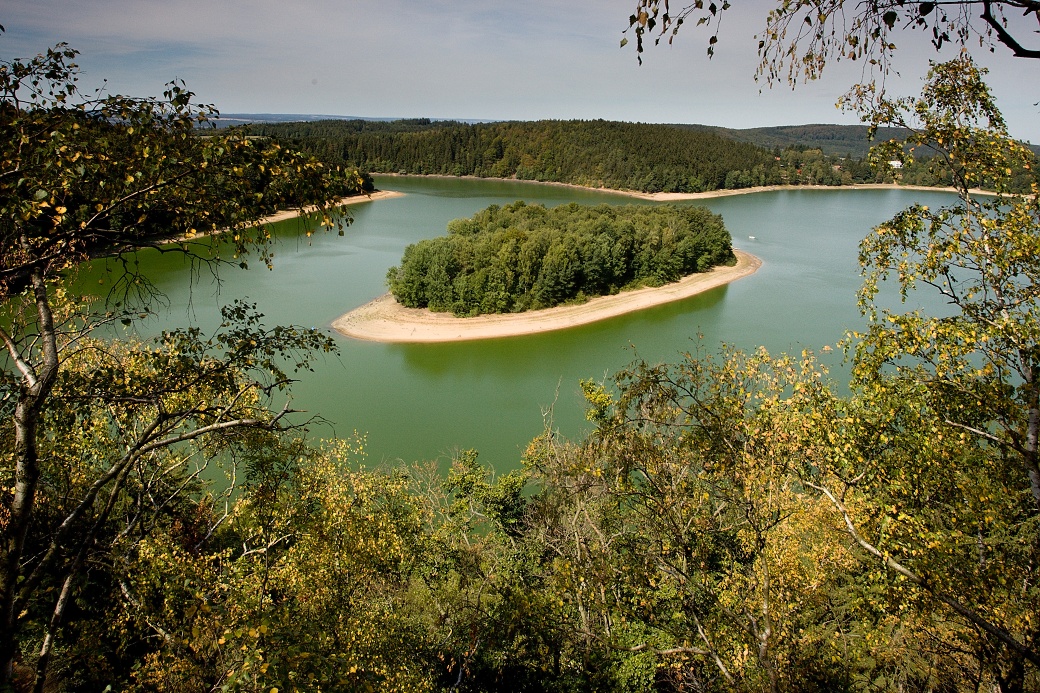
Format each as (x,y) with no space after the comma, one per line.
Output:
(1017,49)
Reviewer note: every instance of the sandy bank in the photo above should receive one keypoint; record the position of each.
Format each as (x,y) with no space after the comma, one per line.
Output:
(294,213)
(384,320)
(344,202)
(678,197)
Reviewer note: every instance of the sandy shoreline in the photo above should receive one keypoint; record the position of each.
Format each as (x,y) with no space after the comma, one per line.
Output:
(384,320)
(343,202)
(295,213)
(678,197)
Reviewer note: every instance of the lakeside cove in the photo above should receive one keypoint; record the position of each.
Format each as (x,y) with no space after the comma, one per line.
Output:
(490,394)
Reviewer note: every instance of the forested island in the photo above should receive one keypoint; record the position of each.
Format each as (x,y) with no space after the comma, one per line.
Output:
(521,257)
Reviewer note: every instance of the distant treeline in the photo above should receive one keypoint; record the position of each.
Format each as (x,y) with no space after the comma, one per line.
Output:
(596,153)
(523,257)
(847,141)
(603,154)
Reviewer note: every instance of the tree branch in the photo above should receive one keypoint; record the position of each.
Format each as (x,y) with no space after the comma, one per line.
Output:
(24,368)
(892,564)
(1003,36)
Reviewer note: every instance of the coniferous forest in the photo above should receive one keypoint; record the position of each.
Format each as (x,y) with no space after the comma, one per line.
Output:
(603,154)
(593,153)
(522,257)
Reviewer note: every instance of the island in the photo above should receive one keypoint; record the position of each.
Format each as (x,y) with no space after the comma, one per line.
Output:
(526,268)
(520,257)
(386,320)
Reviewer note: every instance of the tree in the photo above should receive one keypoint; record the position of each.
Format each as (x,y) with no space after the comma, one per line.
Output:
(89,175)
(979,255)
(682,534)
(973,372)
(521,256)
(933,473)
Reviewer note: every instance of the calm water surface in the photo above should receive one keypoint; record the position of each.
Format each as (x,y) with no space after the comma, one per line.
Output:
(417,402)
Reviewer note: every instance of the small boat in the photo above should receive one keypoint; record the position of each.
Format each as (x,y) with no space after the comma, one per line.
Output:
(751,238)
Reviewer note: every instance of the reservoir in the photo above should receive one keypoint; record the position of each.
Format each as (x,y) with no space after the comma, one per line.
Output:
(423,401)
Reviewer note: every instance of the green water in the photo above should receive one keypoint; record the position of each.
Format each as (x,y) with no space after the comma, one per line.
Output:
(424,401)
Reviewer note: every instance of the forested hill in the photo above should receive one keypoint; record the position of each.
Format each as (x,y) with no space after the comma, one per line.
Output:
(599,153)
(596,153)
(832,140)
(848,141)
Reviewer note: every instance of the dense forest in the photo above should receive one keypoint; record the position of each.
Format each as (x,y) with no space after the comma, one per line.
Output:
(849,141)
(729,522)
(523,257)
(596,153)
(621,156)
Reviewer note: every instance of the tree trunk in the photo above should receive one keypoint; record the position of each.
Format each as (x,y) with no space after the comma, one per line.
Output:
(36,385)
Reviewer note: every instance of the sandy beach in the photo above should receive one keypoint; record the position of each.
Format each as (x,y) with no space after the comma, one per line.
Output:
(679,197)
(344,202)
(294,213)
(384,320)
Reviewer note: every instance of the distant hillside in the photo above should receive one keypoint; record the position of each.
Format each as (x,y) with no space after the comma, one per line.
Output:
(592,153)
(605,154)
(234,119)
(833,140)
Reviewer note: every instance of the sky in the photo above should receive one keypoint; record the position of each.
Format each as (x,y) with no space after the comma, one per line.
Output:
(461,59)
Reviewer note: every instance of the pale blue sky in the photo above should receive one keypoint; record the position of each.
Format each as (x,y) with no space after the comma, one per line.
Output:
(481,59)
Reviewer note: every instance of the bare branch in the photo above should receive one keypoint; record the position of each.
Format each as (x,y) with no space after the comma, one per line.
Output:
(1003,35)
(26,370)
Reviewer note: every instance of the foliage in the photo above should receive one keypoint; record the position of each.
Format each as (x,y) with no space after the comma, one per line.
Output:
(133,430)
(681,530)
(521,257)
(976,368)
(730,522)
(596,153)
(330,576)
(630,156)
(92,430)
(84,176)
(800,37)
(850,142)
(902,518)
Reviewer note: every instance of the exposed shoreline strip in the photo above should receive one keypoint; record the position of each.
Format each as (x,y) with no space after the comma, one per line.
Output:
(711,194)
(343,202)
(385,320)
(296,213)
